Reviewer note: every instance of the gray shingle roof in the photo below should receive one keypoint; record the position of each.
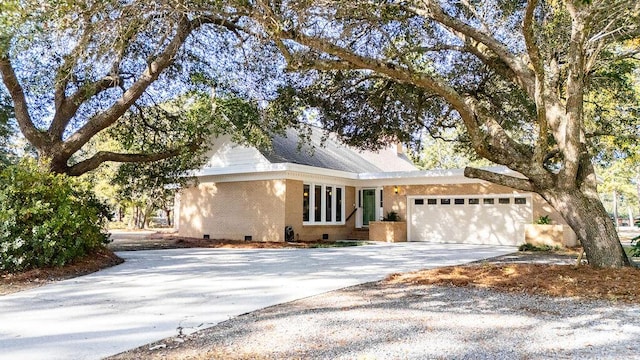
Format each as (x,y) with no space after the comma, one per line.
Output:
(332,154)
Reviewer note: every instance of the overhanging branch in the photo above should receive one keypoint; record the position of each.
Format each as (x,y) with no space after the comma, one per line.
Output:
(107,156)
(20,106)
(517,183)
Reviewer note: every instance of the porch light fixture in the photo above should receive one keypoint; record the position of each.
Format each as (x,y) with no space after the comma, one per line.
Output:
(395,189)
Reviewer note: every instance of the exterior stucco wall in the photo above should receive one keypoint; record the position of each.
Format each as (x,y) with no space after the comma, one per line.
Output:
(388,231)
(550,235)
(233,210)
(398,202)
(293,215)
(262,208)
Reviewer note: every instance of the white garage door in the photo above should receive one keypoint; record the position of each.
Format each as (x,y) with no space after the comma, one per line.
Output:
(496,219)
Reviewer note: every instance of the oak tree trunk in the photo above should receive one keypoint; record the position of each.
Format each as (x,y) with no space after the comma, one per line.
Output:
(591,223)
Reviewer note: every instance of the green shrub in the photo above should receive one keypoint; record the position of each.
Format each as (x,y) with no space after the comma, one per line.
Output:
(531,247)
(46,219)
(543,220)
(391,216)
(635,246)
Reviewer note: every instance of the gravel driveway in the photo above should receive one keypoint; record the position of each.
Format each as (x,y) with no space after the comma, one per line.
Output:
(378,321)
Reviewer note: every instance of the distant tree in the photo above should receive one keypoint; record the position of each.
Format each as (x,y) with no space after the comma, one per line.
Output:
(514,74)
(618,187)
(446,152)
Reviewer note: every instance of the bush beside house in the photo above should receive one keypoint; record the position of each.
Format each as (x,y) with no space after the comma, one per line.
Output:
(46,219)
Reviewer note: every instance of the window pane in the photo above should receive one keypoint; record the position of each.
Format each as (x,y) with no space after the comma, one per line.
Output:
(504,201)
(305,203)
(328,203)
(458,201)
(338,204)
(419,202)
(445,201)
(474,201)
(381,204)
(432,201)
(317,194)
(487,201)
(520,201)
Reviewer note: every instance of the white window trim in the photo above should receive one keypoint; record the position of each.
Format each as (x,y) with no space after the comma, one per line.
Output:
(379,211)
(323,204)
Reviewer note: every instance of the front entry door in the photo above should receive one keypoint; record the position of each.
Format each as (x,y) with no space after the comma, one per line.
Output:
(368,206)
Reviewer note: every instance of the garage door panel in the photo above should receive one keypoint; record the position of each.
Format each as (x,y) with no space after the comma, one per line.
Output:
(472,223)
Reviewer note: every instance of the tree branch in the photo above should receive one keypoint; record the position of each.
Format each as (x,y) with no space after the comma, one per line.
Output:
(21,108)
(538,69)
(391,70)
(100,157)
(163,60)
(517,183)
(482,42)
(70,105)
(472,9)
(570,131)
(530,41)
(492,144)
(321,65)
(64,72)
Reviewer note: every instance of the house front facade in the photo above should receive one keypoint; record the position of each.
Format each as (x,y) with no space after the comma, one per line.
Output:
(328,190)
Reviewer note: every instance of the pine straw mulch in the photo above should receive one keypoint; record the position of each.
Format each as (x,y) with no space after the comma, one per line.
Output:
(162,240)
(103,258)
(581,281)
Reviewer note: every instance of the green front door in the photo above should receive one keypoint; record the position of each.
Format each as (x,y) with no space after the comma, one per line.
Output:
(368,206)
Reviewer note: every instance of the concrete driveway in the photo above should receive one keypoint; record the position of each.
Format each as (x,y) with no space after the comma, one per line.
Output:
(160,293)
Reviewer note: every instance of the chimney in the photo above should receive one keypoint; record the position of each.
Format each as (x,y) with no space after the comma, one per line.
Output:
(399,149)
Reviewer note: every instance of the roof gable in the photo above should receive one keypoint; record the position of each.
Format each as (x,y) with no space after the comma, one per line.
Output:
(225,153)
(329,153)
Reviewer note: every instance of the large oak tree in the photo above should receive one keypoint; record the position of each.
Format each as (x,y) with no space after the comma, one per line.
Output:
(514,74)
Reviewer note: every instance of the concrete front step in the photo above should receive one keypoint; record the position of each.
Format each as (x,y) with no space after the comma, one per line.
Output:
(359,234)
